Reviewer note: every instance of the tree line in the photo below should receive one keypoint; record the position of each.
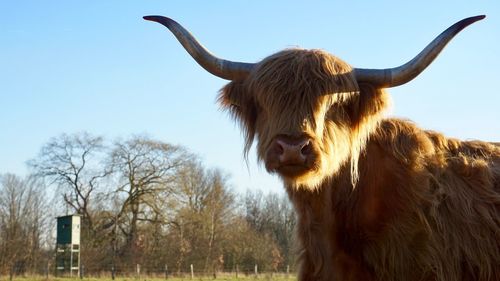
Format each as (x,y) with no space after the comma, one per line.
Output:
(141,201)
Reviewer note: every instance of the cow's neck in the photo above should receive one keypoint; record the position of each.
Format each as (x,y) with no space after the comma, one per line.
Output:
(325,215)
(317,224)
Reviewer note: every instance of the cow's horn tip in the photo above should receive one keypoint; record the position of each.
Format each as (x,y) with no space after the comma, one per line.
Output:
(153,18)
(478,17)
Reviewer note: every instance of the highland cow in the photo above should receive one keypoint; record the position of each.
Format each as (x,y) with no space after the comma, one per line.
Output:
(376,198)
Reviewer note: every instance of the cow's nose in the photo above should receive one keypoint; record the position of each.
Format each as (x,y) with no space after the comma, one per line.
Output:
(292,151)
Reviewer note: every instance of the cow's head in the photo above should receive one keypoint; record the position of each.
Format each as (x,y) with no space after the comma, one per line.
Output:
(310,112)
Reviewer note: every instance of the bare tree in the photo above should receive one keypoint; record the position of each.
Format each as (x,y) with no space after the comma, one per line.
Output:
(273,215)
(279,221)
(206,207)
(245,247)
(254,205)
(72,163)
(145,172)
(23,218)
(219,206)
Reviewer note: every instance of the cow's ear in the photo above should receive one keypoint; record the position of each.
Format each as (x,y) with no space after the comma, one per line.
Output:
(237,100)
(232,96)
(370,102)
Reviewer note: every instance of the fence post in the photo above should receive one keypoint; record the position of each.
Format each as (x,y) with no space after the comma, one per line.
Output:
(256,271)
(138,270)
(82,271)
(48,269)
(237,269)
(287,271)
(166,271)
(192,272)
(11,272)
(113,272)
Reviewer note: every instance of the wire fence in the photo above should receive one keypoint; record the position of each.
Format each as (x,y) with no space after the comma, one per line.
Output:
(139,272)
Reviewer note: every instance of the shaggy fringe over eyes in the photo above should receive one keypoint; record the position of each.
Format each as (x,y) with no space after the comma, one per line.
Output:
(294,78)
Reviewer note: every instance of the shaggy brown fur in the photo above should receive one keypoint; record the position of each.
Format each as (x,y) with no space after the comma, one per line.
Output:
(385,200)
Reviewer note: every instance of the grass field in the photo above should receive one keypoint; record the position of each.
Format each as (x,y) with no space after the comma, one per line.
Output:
(265,277)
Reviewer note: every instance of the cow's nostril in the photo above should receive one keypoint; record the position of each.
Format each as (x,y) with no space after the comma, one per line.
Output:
(306,148)
(278,148)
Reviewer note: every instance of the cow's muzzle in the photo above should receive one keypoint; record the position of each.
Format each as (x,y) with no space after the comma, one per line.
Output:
(290,156)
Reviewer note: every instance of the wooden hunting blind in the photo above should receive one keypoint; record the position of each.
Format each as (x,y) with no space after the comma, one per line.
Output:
(68,230)
(68,245)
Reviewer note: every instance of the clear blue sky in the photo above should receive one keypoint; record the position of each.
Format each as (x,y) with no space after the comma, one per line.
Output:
(96,66)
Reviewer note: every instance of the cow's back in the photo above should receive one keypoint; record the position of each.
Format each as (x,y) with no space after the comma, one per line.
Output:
(449,225)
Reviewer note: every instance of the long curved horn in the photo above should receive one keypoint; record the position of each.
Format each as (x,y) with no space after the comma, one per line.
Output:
(219,67)
(392,77)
